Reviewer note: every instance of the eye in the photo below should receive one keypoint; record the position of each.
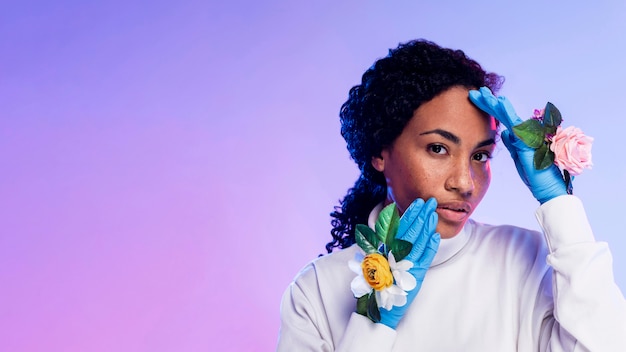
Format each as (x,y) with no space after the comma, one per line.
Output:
(437,149)
(482,157)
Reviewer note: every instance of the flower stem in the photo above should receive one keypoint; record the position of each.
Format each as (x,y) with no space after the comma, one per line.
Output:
(568,182)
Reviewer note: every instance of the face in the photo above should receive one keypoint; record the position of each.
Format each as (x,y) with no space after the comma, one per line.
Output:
(443,152)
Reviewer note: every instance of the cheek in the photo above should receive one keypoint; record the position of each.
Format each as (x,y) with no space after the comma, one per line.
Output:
(483,177)
(422,185)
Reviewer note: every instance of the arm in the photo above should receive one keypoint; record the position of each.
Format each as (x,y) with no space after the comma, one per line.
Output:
(317,312)
(589,311)
(311,323)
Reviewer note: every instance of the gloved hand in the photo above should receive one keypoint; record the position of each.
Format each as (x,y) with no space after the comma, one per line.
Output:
(417,226)
(544,184)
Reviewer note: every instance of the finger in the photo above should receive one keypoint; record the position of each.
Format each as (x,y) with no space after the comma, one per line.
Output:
(413,219)
(407,219)
(430,251)
(509,112)
(422,241)
(426,230)
(484,100)
(500,107)
(510,142)
(507,139)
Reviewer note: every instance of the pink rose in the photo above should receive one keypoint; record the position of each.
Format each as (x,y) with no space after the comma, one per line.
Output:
(572,150)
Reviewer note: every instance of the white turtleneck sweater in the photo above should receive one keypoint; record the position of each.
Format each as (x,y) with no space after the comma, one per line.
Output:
(489,288)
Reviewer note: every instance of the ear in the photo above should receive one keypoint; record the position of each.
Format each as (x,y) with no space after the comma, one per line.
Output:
(378,163)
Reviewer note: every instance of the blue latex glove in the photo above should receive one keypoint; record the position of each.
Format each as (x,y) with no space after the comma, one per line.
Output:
(544,184)
(417,226)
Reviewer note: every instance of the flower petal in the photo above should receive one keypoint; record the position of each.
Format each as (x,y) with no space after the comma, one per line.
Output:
(404,280)
(403,265)
(360,287)
(355,267)
(383,300)
(391,296)
(399,300)
(392,260)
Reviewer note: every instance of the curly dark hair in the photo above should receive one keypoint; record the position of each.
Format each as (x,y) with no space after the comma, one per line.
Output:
(378,109)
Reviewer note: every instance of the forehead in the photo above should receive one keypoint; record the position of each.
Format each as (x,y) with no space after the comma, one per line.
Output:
(453,111)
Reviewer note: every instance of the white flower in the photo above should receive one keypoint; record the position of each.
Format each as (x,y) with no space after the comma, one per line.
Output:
(391,296)
(394,295)
(359,286)
(403,278)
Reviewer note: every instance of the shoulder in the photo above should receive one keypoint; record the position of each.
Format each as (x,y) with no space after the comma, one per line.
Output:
(323,285)
(330,267)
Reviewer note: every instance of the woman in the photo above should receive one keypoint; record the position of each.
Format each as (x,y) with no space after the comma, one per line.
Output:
(421,129)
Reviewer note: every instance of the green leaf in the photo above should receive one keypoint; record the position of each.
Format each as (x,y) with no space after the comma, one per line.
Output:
(365,245)
(387,224)
(372,308)
(552,115)
(383,221)
(368,233)
(361,305)
(544,157)
(400,249)
(530,132)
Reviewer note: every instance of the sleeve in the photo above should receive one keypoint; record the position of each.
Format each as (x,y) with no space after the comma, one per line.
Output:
(589,308)
(305,323)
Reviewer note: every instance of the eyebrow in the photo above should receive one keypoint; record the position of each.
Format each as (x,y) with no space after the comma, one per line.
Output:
(455,139)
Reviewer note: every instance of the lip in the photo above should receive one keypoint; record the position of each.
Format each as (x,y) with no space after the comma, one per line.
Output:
(454,211)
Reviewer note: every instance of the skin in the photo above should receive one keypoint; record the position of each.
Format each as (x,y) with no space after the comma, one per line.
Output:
(444,152)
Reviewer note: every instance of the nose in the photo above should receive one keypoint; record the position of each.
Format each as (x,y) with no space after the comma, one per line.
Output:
(461,179)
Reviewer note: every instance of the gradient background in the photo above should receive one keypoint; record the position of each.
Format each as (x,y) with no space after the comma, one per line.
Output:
(166,169)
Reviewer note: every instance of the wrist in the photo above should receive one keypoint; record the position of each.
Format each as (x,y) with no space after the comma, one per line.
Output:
(546,198)
(550,192)
(391,322)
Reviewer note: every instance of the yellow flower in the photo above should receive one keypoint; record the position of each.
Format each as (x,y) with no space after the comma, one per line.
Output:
(376,271)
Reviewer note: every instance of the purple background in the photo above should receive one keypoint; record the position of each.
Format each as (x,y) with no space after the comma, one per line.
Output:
(167,168)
